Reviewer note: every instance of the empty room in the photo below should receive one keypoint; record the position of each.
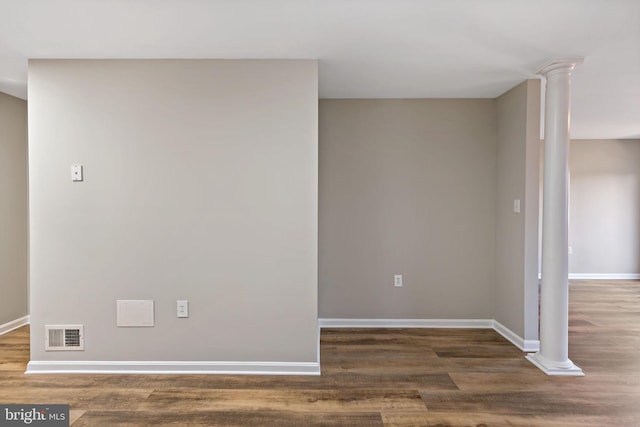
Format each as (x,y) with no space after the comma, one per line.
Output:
(320,213)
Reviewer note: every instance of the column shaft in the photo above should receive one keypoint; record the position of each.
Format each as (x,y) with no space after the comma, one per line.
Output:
(554,302)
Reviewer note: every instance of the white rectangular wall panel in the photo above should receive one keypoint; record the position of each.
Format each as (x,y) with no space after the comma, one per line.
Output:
(134,313)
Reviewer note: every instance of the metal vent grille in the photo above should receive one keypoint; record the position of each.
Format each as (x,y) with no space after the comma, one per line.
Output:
(56,337)
(72,337)
(64,337)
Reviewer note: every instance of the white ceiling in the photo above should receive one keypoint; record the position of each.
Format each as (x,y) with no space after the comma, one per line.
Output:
(366,48)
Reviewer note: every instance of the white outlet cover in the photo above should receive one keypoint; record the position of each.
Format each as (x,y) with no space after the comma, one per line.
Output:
(397,280)
(76,172)
(182,307)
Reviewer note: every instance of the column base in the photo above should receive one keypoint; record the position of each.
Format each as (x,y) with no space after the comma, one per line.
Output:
(550,367)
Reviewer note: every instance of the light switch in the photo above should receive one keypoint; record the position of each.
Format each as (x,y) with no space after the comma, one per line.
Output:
(76,172)
(516,206)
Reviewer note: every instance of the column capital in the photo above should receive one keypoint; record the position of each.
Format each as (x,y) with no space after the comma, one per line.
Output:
(561,64)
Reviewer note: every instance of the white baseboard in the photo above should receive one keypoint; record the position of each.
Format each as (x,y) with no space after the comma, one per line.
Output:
(407,323)
(528,346)
(263,368)
(172,367)
(596,276)
(515,339)
(14,324)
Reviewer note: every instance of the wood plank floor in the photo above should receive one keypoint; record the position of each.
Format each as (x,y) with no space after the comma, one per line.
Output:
(379,377)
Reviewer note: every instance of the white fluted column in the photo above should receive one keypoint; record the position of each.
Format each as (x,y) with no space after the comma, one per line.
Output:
(553,357)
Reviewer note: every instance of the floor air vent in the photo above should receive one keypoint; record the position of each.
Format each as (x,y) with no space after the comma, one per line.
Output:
(63,337)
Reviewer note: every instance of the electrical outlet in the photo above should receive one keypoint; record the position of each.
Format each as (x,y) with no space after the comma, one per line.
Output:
(183,308)
(397,280)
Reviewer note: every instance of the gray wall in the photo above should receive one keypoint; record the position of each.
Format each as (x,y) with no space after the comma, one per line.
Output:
(407,187)
(516,296)
(604,224)
(13,208)
(200,184)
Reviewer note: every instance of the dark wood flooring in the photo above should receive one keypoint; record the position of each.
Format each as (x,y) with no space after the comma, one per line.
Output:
(379,377)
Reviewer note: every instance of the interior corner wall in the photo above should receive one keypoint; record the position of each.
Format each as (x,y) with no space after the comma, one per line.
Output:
(604,223)
(13,208)
(516,287)
(407,186)
(200,183)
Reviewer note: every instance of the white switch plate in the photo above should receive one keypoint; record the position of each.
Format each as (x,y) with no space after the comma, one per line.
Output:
(182,308)
(397,280)
(76,172)
(516,206)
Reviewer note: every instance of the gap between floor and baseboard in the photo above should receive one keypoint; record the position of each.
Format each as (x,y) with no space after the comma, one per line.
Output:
(14,324)
(524,345)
